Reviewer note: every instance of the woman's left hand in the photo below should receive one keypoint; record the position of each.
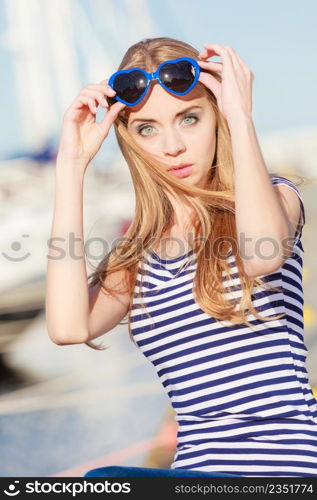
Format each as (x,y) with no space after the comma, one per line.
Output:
(234,92)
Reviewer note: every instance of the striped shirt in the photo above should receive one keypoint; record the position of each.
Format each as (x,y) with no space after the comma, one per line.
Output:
(242,398)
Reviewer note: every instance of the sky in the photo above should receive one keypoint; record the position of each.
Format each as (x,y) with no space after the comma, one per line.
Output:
(276,39)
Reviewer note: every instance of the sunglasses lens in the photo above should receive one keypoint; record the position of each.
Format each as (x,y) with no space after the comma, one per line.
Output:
(178,76)
(130,86)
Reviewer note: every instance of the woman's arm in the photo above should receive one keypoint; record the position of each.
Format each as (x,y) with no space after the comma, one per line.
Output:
(67,296)
(67,300)
(265,221)
(75,314)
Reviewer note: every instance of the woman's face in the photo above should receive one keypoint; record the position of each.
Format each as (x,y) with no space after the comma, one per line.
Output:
(176,129)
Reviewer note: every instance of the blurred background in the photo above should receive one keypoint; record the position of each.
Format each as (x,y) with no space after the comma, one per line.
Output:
(67,409)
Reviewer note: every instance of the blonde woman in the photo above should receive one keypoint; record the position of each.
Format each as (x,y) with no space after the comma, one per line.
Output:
(209,272)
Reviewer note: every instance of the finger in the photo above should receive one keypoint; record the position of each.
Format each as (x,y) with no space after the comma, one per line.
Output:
(211,82)
(214,49)
(103,88)
(111,115)
(88,101)
(105,81)
(236,55)
(102,82)
(97,94)
(105,91)
(237,61)
(116,108)
(215,66)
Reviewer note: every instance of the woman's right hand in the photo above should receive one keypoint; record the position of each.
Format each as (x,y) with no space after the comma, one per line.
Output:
(81,136)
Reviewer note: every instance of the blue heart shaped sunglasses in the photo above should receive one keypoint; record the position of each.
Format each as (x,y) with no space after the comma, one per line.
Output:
(177,76)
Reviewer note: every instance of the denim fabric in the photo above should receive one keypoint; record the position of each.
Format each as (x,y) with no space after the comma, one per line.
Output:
(125,471)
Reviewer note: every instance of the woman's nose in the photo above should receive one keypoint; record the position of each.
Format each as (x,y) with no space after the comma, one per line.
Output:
(172,143)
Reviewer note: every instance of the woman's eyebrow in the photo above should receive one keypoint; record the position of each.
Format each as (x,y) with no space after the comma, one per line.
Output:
(177,114)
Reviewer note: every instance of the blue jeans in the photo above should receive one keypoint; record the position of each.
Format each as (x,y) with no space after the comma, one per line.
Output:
(125,471)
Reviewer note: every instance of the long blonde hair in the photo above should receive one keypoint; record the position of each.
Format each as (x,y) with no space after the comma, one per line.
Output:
(213,206)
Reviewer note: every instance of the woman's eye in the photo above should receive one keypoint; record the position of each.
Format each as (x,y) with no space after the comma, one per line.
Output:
(191,117)
(146,127)
(144,130)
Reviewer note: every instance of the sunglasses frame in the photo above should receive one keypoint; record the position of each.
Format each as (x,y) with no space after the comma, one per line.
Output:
(155,76)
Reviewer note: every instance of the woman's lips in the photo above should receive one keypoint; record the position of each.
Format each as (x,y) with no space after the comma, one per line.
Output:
(181,172)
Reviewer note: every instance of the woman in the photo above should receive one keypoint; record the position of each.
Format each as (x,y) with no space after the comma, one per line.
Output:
(209,271)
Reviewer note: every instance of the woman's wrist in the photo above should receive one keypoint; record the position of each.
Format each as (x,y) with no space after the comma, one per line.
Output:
(77,166)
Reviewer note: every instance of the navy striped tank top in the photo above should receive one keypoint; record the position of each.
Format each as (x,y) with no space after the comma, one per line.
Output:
(242,398)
